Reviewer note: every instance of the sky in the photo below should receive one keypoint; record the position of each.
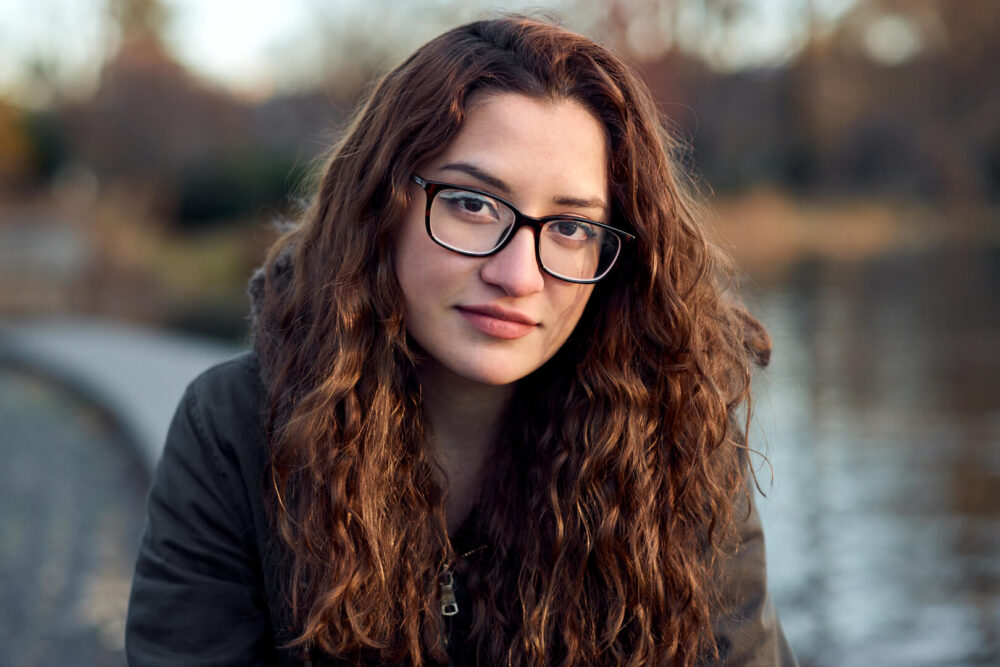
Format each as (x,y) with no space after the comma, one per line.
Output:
(251,46)
(234,41)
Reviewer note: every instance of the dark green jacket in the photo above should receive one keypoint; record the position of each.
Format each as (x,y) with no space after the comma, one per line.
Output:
(205,588)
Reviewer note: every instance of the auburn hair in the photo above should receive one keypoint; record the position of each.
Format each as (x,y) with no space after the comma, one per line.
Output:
(608,499)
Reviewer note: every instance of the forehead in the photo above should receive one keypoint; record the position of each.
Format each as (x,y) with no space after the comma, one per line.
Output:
(557,144)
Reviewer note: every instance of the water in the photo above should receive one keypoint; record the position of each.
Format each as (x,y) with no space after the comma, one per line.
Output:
(881,413)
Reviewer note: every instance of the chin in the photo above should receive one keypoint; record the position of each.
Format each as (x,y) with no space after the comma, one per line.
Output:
(494,378)
(495,373)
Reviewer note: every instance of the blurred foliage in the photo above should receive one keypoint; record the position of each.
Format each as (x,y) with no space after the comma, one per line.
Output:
(205,275)
(896,97)
(896,100)
(230,186)
(48,142)
(16,147)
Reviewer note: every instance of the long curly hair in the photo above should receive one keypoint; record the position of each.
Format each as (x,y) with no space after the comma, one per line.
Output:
(612,485)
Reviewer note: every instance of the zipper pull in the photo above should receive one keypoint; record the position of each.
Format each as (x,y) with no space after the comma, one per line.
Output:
(449,605)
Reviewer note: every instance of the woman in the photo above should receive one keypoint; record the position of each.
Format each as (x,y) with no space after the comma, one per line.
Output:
(490,415)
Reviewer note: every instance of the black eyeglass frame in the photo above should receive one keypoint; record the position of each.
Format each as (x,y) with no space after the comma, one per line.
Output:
(432,188)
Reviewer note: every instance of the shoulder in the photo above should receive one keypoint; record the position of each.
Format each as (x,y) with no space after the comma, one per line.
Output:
(231,390)
(748,631)
(218,433)
(200,590)
(226,405)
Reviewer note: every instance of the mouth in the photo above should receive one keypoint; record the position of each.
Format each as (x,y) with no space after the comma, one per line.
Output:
(498,322)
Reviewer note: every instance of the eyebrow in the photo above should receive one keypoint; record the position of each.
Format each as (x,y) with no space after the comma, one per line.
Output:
(494,182)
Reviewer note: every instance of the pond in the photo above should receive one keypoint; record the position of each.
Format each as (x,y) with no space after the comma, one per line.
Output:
(881,416)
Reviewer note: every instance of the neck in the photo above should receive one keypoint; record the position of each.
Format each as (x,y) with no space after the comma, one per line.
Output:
(464,419)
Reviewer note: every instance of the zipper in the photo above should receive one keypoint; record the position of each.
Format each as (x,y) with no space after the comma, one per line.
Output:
(446,587)
(446,595)
(449,605)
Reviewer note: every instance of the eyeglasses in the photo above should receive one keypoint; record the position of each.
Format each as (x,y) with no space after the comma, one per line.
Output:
(477,224)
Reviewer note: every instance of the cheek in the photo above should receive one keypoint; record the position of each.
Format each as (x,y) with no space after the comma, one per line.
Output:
(430,277)
(411,261)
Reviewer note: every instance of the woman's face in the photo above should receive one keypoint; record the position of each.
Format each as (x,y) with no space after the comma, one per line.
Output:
(494,320)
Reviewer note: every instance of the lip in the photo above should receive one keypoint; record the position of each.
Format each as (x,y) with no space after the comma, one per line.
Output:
(498,322)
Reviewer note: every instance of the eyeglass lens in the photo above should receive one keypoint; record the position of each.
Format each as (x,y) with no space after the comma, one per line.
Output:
(475,223)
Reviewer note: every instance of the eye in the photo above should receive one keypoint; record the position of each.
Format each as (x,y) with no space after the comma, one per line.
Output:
(470,206)
(573,231)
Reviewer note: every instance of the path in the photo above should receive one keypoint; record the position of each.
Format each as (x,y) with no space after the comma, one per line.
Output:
(84,409)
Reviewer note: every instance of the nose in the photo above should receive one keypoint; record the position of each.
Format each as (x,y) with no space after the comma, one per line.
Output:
(515,269)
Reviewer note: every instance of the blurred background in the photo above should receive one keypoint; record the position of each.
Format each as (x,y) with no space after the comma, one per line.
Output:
(851,152)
